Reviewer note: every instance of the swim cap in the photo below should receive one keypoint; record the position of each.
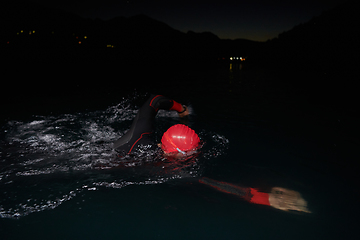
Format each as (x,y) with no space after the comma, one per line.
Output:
(179,138)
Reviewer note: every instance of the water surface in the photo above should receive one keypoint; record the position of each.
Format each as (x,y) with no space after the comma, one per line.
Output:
(60,178)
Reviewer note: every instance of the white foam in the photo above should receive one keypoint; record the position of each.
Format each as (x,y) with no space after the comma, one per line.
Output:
(43,153)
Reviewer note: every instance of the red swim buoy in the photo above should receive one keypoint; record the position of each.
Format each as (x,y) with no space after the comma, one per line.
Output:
(179,138)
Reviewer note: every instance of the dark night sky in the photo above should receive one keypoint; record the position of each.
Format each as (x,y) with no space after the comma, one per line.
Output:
(252,19)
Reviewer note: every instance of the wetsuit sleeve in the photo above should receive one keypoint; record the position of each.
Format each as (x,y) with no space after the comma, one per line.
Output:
(176,106)
(227,188)
(160,102)
(249,194)
(259,197)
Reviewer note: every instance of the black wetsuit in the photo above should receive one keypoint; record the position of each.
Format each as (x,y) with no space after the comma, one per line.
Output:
(142,127)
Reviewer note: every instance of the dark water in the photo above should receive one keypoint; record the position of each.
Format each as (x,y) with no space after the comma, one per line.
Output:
(60,179)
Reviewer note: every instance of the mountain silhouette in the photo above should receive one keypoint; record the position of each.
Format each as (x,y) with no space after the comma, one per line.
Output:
(319,57)
(332,36)
(139,37)
(318,43)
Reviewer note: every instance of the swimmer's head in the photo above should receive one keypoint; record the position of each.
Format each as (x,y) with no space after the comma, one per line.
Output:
(179,139)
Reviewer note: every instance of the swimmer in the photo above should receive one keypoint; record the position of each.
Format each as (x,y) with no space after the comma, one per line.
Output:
(179,140)
(279,198)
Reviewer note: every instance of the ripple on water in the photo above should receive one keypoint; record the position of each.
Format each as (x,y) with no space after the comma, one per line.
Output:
(51,159)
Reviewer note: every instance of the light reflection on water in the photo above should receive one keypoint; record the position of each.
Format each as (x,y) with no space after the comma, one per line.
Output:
(51,159)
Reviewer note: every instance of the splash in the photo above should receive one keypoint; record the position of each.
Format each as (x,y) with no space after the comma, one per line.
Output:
(51,159)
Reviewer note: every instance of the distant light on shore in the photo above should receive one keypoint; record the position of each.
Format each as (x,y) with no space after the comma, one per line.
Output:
(237,58)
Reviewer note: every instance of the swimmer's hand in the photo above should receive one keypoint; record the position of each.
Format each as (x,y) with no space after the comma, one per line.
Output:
(285,199)
(184,112)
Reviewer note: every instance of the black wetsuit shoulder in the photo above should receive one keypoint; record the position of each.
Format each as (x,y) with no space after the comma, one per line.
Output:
(140,132)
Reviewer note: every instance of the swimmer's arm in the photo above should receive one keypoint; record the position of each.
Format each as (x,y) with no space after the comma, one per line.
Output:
(181,109)
(249,194)
(280,198)
(227,188)
(161,102)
